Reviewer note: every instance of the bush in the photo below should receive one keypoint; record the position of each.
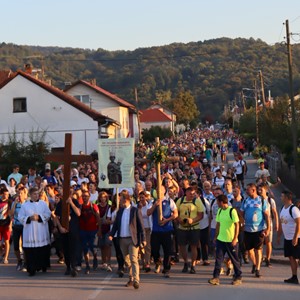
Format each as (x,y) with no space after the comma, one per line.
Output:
(149,135)
(259,150)
(27,154)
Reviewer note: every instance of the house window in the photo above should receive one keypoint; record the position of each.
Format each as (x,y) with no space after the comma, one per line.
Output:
(19,105)
(83,98)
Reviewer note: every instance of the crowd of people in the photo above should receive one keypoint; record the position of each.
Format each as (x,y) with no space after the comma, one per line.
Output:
(206,213)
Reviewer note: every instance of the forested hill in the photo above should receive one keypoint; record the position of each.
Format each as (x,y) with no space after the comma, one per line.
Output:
(214,71)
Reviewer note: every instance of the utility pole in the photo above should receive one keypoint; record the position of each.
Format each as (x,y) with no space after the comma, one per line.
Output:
(138,113)
(293,111)
(256,112)
(262,88)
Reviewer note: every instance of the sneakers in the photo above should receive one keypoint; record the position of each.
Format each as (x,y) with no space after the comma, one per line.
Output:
(166,274)
(214,281)
(229,271)
(237,281)
(147,269)
(95,263)
(157,268)
(129,283)
(78,268)
(109,268)
(87,270)
(136,284)
(68,271)
(192,271)
(19,265)
(120,273)
(267,262)
(74,272)
(293,280)
(185,268)
(257,274)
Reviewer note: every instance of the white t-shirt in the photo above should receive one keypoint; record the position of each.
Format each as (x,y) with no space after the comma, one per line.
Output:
(146,219)
(204,222)
(238,166)
(125,231)
(288,223)
(263,172)
(112,216)
(94,197)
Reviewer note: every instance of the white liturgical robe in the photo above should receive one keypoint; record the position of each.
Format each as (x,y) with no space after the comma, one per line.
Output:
(36,233)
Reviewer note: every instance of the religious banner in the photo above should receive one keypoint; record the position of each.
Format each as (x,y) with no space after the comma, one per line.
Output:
(116,163)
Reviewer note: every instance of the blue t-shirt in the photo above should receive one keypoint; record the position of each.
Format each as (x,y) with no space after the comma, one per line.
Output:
(167,212)
(16,214)
(254,214)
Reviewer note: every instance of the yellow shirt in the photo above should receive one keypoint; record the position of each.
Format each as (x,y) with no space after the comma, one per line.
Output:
(189,209)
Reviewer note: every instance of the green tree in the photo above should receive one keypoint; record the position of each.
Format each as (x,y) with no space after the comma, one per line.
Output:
(150,134)
(185,108)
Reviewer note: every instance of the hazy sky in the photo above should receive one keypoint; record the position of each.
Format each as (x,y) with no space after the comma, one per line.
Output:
(130,24)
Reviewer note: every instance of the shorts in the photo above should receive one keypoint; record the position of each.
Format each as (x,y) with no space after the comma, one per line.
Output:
(188,237)
(5,233)
(104,240)
(17,236)
(290,250)
(87,239)
(253,240)
(240,177)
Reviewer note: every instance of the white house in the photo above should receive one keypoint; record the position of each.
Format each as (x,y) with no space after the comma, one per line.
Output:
(107,104)
(167,111)
(31,105)
(154,117)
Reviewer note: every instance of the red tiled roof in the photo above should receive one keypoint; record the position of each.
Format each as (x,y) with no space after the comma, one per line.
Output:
(154,115)
(5,75)
(63,96)
(162,106)
(103,92)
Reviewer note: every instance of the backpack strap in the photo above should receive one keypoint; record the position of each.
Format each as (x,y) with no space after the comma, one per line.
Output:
(230,212)
(290,210)
(203,202)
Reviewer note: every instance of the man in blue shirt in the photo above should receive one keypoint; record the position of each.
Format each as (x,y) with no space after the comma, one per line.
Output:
(162,230)
(257,226)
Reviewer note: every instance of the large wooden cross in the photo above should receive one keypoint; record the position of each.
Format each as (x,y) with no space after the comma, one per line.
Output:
(64,155)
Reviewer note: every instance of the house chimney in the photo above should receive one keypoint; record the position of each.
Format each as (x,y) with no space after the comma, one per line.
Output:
(28,69)
(94,82)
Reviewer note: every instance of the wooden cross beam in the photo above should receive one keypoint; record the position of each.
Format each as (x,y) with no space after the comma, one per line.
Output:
(64,155)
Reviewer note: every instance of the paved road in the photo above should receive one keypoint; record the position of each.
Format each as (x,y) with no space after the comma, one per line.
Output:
(101,285)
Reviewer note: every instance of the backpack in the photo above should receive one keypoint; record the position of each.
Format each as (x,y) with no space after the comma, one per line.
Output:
(182,199)
(271,211)
(290,209)
(244,167)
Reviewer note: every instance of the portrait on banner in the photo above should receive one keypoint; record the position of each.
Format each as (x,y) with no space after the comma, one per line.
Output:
(116,162)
